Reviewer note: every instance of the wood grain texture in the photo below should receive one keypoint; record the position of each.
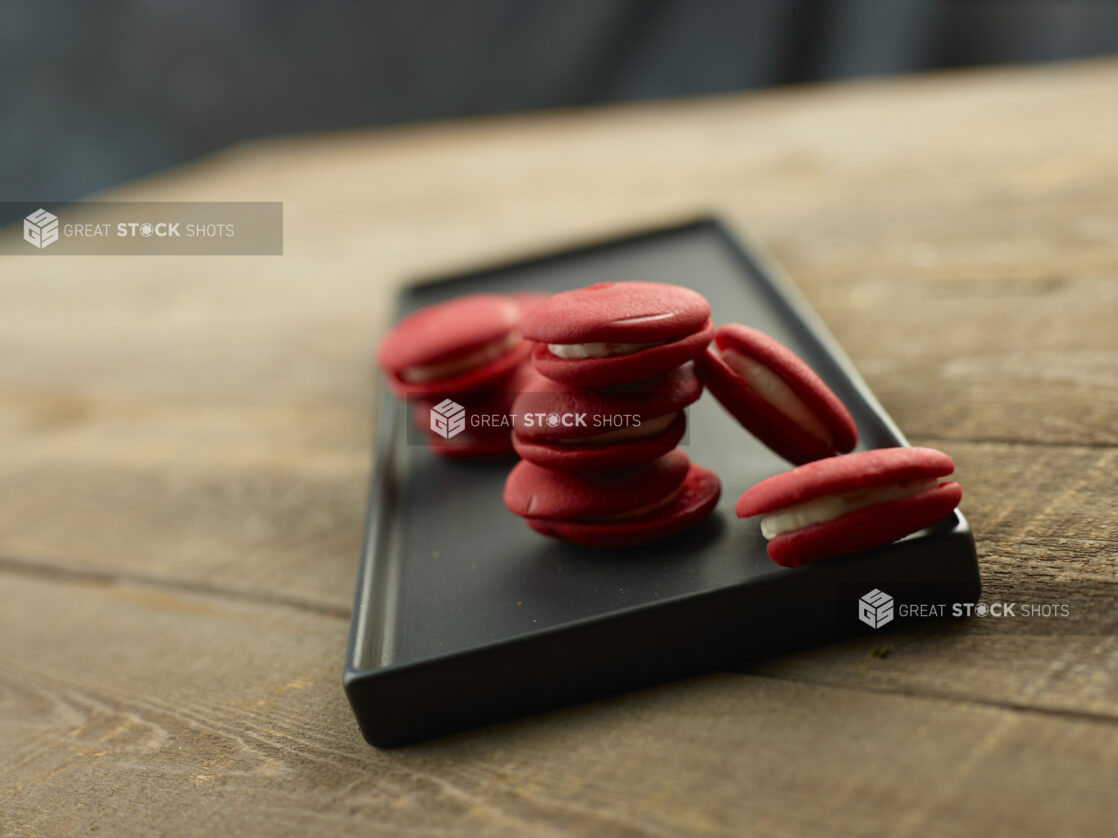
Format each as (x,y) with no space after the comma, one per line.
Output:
(186,444)
(239,726)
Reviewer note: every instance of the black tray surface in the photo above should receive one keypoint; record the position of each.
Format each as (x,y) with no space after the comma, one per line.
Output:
(463,615)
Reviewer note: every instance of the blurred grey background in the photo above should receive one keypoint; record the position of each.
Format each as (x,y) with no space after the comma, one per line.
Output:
(95,92)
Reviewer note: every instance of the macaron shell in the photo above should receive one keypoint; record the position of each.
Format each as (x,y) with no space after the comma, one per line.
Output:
(440,332)
(593,457)
(488,376)
(845,473)
(619,312)
(495,401)
(701,490)
(619,369)
(648,399)
(795,372)
(865,528)
(771,427)
(526,299)
(535,492)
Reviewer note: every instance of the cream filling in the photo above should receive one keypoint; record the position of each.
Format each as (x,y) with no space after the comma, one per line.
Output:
(479,357)
(583,351)
(648,428)
(828,507)
(640,510)
(775,390)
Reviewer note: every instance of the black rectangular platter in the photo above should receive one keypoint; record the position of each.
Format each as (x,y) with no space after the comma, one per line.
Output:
(464,616)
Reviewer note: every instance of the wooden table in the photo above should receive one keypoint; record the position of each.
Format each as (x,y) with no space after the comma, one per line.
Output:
(186,448)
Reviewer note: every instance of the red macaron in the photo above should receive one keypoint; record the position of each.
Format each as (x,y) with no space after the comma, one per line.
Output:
(571,429)
(615,507)
(465,344)
(483,424)
(775,395)
(526,299)
(851,502)
(614,332)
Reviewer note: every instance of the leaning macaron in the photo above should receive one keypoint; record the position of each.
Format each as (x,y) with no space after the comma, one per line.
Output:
(614,332)
(616,507)
(851,502)
(465,344)
(775,395)
(571,429)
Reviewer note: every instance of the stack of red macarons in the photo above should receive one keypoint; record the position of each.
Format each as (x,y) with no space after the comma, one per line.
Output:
(457,359)
(598,414)
(598,428)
